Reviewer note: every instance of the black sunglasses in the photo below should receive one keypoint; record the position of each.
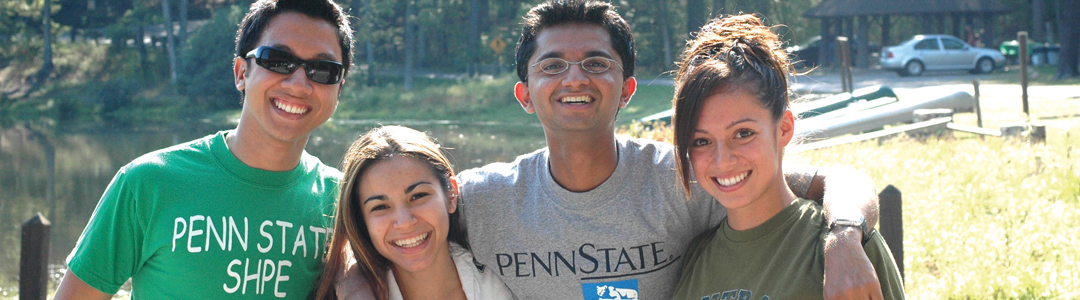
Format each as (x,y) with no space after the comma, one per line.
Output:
(279,61)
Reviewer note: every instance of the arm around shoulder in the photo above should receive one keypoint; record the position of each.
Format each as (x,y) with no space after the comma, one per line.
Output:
(846,194)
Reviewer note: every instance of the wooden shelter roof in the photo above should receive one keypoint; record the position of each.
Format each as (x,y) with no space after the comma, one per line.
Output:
(848,8)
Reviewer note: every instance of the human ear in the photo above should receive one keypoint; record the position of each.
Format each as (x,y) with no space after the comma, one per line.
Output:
(628,89)
(786,128)
(521,92)
(239,73)
(453,196)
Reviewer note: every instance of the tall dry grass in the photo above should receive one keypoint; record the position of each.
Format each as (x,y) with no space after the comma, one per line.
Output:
(983,219)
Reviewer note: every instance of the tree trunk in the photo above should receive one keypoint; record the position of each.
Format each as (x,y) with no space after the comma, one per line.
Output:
(1060,23)
(140,35)
(183,7)
(1069,58)
(421,44)
(362,33)
(46,28)
(474,35)
(410,43)
(695,15)
(170,42)
(665,35)
(1038,8)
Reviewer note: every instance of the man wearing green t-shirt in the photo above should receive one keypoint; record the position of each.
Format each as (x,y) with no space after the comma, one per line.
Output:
(238,214)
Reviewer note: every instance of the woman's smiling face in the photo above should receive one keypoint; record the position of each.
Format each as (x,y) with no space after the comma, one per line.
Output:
(737,147)
(407,212)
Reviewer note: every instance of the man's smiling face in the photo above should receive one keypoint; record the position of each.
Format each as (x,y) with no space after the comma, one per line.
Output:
(575,100)
(288,107)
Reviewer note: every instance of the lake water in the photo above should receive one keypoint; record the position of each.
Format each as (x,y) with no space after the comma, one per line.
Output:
(84,160)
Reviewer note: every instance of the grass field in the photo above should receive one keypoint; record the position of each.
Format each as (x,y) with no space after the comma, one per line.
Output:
(993,219)
(983,219)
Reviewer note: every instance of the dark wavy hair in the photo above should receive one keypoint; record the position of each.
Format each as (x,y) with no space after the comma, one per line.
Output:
(262,11)
(730,52)
(558,12)
(350,231)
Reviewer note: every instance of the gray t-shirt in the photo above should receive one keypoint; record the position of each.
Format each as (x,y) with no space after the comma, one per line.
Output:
(625,239)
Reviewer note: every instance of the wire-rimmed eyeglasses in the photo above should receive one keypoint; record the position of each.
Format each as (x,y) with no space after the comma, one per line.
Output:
(556,66)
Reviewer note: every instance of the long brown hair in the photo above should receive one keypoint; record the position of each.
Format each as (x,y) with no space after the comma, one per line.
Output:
(732,52)
(350,231)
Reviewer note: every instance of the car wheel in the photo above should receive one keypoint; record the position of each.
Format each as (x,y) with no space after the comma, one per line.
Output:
(985,65)
(914,68)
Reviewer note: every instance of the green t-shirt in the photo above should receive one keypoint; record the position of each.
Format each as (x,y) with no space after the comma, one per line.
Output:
(782,258)
(192,221)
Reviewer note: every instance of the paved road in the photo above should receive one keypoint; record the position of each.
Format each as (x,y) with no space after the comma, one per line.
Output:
(822,82)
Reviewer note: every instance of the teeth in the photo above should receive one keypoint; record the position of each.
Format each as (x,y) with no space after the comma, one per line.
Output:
(411,242)
(732,180)
(576,99)
(292,109)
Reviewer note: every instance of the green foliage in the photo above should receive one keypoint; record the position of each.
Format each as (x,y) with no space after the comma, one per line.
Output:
(114,94)
(206,74)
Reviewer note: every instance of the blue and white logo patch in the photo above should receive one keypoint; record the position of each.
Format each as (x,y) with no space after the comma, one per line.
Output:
(622,290)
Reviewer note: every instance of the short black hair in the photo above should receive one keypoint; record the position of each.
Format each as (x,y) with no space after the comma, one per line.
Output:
(574,11)
(262,11)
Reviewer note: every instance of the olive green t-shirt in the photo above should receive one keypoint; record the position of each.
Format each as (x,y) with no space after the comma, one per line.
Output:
(193,222)
(782,258)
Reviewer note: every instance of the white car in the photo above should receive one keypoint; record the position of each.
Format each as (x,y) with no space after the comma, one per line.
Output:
(939,52)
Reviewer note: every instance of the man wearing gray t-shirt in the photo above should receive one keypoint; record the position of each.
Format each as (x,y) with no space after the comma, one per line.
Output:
(595,216)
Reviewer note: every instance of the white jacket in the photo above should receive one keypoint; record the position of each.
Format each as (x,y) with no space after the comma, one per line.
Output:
(476,284)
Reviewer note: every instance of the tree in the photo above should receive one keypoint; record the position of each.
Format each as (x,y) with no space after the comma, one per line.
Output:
(47,66)
(170,43)
(183,6)
(695,15)
(665,34)
(208,77)
(410,42)
(1038,31)
(1069,58)
(475,19)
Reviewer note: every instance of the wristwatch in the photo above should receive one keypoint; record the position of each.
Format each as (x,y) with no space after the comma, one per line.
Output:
(860,223)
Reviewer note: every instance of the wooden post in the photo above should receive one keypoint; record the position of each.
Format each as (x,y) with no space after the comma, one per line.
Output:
(1022,37)
(892,224)
(978,108)
(34,260)
(843,49)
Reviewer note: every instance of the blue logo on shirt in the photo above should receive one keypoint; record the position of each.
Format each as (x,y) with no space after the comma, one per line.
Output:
(623,290)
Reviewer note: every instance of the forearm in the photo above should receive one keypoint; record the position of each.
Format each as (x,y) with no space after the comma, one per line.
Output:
(844,194)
